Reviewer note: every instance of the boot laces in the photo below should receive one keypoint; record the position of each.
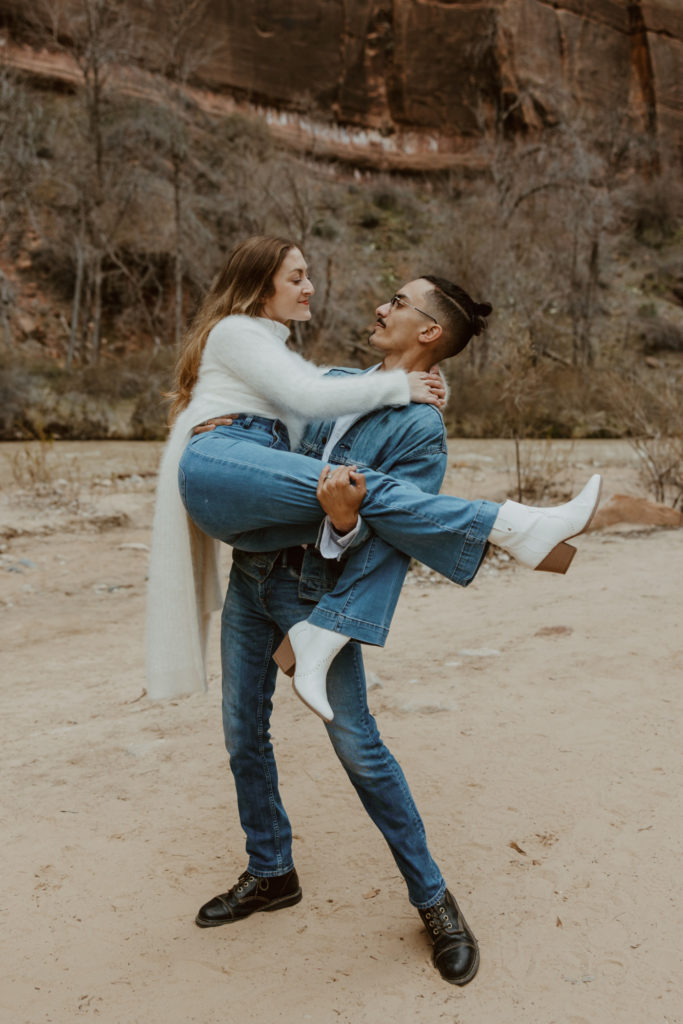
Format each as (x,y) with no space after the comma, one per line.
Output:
(243,882)
(439,920)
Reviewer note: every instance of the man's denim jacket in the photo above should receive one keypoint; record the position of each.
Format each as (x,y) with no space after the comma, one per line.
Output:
(407,442)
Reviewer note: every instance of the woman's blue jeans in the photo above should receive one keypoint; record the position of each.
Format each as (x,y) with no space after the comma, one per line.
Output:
(258,611)
(241,484)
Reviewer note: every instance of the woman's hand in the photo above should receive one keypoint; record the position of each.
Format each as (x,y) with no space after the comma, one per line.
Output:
(217,421)
(427,388)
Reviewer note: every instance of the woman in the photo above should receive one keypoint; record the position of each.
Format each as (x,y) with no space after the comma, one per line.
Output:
(234,356)
(243,478)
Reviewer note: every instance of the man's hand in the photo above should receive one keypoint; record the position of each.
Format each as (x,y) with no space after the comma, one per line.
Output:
(340,492)
(217,421)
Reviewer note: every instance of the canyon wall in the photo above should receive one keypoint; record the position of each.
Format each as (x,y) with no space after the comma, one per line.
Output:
(409,81)
(452,70)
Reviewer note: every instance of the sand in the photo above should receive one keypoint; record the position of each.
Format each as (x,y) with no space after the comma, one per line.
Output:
(537,719)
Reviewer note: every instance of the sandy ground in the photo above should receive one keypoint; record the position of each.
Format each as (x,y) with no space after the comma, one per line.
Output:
(537,719)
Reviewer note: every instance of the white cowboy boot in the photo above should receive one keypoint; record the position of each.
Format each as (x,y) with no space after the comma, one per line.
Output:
(536,536)
(307,653)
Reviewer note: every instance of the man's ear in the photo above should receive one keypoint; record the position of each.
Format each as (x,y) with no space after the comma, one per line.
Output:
(431,335)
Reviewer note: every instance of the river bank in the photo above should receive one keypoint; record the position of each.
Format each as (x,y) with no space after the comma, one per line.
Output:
(535,717)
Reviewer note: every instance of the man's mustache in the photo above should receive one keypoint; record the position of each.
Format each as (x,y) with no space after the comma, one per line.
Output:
(381,321)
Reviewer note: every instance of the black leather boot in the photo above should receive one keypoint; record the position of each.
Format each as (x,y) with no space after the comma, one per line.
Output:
(456,953)
(249,896)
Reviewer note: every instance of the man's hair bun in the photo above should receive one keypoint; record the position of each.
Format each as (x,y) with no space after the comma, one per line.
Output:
(480,310)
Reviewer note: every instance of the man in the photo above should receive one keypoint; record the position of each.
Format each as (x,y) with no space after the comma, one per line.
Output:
(428,319)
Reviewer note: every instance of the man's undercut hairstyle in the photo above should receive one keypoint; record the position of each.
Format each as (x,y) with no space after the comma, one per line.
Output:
(457,312)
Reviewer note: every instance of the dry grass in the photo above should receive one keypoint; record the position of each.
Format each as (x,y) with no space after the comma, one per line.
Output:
(543,472)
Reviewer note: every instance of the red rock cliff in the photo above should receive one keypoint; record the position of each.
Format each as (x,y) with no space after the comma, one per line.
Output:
(454,67)
(433,76)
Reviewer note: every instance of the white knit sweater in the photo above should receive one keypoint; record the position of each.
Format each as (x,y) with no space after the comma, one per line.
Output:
(246,367)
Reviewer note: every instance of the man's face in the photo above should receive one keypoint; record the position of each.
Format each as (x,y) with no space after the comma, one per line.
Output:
(398,325)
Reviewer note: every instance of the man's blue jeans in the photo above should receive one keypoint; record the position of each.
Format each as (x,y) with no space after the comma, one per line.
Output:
(241,484)
(258,612)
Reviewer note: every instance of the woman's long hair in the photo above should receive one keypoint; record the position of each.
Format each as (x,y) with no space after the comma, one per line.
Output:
(242,286)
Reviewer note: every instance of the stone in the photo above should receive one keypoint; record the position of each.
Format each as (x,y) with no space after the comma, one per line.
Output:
(480,652)
(373,681)
(26,324)
(624,508)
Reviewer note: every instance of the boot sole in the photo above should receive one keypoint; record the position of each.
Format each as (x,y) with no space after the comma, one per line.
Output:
(309,706)
(281,904)
(560,558)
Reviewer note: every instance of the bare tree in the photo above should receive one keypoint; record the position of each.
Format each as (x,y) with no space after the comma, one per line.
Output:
(180,47)
(97,36)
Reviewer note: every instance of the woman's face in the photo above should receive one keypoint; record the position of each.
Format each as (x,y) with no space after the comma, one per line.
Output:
(293,289)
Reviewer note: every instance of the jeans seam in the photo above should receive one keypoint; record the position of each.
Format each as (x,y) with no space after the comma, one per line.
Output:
(467,534)
(260,873)
(473,543)
(261,747)
(399,779)
(243,464)
(432,900)
(339,620)
(369,547)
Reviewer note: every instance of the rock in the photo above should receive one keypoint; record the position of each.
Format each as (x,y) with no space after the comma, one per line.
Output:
(26,324)
(481,652)
(411,80)
(624,508)
(373,681)
(139,546)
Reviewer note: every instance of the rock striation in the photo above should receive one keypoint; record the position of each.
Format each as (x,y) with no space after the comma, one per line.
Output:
(423,81)
(454,70)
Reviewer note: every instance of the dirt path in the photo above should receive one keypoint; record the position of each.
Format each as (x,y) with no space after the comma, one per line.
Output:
(537,719)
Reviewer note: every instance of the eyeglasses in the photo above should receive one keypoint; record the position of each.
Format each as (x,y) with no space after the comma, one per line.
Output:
(396,300)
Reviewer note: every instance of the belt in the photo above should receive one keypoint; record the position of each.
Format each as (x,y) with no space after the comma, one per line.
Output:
(291,558)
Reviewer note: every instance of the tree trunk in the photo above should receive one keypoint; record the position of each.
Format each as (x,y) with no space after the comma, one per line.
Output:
(177,206)
(6,297)
(76,303)
(97,311)
(575,285)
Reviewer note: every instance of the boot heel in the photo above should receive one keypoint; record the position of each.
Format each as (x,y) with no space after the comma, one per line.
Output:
(284,657)
(557,560)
